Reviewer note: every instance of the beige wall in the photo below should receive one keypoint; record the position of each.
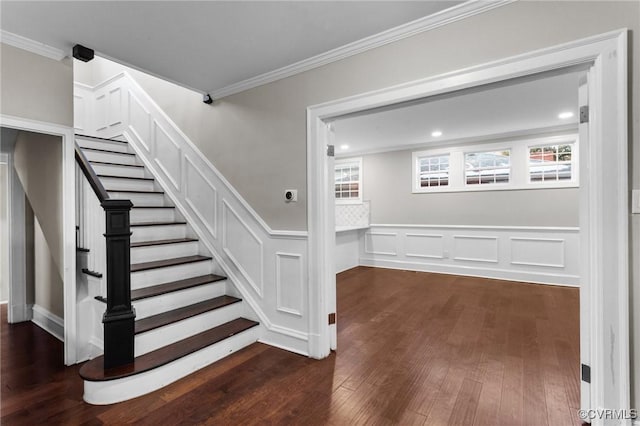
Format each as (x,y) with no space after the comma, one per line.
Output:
(35,87)
(49,289)
(257,138)
(387,184)
(38,164)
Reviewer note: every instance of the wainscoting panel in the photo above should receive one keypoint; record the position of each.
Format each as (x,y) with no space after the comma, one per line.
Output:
(80,109)
(115,106)
(475,248)
(424,245)
(530,254)
(201,195)
(168,154)
(381,243)
(101,106)
(547,252)
(243,247)
(140,122)
(289,281)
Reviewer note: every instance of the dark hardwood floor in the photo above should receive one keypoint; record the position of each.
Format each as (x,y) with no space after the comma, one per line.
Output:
(413,348)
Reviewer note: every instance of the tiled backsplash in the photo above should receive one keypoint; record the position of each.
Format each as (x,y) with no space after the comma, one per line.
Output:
(353,214)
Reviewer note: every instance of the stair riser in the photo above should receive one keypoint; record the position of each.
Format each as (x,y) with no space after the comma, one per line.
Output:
(164,251)
(111,184)
(141,199)
(168,274)
(152,215)
(178,299)
(155,233)
(163,336)
(110,392)
(111,170)
(109,157)
(99,144)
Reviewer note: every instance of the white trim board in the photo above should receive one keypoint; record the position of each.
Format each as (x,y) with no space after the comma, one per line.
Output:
(604,182)
(69,228)
(49,322)
(32,46)
(444,17)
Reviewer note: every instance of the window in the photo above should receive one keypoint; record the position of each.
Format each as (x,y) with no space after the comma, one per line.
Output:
(526,163)
(487,167)
(434,170)
(348,180)
(550,163)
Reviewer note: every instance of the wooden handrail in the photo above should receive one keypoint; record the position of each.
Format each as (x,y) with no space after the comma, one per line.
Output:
(91,176)
(120,315)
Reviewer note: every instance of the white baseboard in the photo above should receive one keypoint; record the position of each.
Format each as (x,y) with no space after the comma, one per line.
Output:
(466,271)
(49,322)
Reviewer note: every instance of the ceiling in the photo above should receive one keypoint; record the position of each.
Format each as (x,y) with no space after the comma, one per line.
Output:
(512,107)
(208,45)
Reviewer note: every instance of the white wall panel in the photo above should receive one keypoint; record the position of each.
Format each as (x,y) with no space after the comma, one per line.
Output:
(243,247)
(381,243)
(538,252)
(201,195)
(140,122)
(168,155)
(475,248)
(289,282)
(115,106)
(79,113)
(424,245)
(101,112)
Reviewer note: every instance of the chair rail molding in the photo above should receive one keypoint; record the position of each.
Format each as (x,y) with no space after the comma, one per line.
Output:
(263,264)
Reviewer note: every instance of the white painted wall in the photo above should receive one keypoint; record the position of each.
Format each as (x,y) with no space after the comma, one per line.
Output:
(36,87)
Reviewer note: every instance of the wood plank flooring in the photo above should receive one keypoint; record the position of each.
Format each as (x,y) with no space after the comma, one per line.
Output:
(413,349)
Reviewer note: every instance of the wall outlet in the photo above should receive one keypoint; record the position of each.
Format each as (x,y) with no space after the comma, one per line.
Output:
(290,195)
(635,201)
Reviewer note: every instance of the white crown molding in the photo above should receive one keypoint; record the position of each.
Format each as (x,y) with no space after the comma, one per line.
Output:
(444,17)
(32,46)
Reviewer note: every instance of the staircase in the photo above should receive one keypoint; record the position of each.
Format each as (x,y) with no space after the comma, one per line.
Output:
(187,314)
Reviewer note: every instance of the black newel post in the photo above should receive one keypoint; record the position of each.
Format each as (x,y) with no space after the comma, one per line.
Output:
(119,318)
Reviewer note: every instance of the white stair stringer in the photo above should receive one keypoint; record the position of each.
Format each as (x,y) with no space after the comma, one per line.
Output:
(118,390)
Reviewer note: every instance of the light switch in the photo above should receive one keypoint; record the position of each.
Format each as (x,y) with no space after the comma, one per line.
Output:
(635,201)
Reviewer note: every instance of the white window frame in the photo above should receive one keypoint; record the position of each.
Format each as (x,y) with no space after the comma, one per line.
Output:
(345,161)
(519,163)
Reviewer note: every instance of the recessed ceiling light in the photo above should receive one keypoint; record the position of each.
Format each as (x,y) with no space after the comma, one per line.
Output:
(565,115)
(344,146)
(436,133)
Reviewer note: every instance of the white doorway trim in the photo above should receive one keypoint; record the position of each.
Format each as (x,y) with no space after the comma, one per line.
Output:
(604,218)
(16,286)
